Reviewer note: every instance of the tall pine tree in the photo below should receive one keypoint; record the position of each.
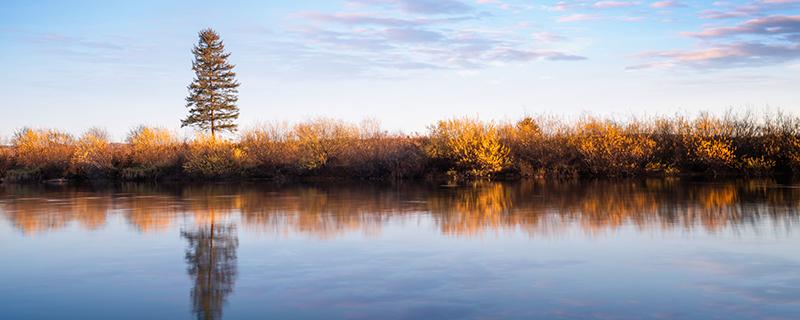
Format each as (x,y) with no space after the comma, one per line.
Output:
(213,92)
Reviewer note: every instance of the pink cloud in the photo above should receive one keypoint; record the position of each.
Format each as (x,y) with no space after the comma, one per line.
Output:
(577,17)
(615,4)
(771,25)
(666,4)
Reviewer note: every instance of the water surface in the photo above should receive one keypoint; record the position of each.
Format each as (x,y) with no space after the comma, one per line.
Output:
(611,250)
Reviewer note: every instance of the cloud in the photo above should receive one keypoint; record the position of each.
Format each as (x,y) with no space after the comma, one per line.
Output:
(548,37)
(420,6)
(396,37)
(738,54)
(787,26)
(666,4)
(516,55)
(358,19)
(577,18)
(615,4)
(750,9)
(412,35)
(756,42)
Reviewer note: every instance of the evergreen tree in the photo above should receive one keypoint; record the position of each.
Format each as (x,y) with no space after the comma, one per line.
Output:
(213,92)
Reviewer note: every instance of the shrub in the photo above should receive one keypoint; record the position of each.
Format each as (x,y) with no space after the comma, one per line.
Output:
(211,157)
(610,149)
(709,144)
(270,149)
(46,151)
(474,148)
(376,154)
(151,150)
(321,141)
(93,154)
(6,159)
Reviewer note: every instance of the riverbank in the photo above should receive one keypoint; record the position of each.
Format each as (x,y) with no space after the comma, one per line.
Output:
(457,149)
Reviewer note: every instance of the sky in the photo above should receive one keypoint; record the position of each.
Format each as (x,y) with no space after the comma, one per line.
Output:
(75,65)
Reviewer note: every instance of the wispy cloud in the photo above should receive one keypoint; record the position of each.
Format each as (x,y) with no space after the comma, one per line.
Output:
(667,4)
(406,35)
(420,6)
(755,42)
(577,18)
(786,26)
(615,4)
(750,9)
(739,54)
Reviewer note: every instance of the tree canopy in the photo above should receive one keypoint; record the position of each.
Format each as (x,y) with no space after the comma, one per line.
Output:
(213,92)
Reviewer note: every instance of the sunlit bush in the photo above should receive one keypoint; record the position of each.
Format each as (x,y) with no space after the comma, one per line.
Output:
(322,140)
(211,157)
(93,155)
(270,149)
(710,144)
(611,149)
(153,147)
(47,151)
(151,152)
(6,159)
(471,146)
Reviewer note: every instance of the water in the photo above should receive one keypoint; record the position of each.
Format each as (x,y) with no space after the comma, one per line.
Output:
(619,250)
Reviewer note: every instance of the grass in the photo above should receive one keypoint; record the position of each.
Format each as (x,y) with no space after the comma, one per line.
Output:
(459,148)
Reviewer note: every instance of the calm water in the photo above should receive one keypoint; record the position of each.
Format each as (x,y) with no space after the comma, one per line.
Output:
(627,250)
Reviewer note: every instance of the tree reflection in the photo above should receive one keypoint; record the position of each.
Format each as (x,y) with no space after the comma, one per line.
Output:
(211,256)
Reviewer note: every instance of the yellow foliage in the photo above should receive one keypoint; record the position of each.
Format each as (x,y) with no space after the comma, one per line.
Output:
(321,140)
(151,147)
(92,153)
(473,146)
(608,147)
(213,157)
(269,146)
(710,143)
(43,149)
(6,159)
(757,165)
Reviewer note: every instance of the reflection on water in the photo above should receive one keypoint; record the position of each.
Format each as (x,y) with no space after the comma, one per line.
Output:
(325,211)
(624,249)
(211,257)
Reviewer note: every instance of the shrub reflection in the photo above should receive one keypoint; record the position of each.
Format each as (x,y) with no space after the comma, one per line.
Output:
(329,210)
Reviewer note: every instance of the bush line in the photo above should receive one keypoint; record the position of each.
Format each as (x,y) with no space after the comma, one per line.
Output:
(459,148)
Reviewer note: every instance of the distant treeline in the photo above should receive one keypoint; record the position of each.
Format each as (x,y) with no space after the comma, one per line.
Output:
(461,148)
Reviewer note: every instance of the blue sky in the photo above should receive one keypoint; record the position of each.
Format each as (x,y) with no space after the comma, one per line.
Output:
(116,64)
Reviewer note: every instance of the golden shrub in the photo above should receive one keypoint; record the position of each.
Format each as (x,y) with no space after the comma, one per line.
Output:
(321,140)
(93,153)
(269,147)
(710,143)
(151,147)
(46,150)
(6,159)
(209,156)
(757,165)
(607,147)
(474,147)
